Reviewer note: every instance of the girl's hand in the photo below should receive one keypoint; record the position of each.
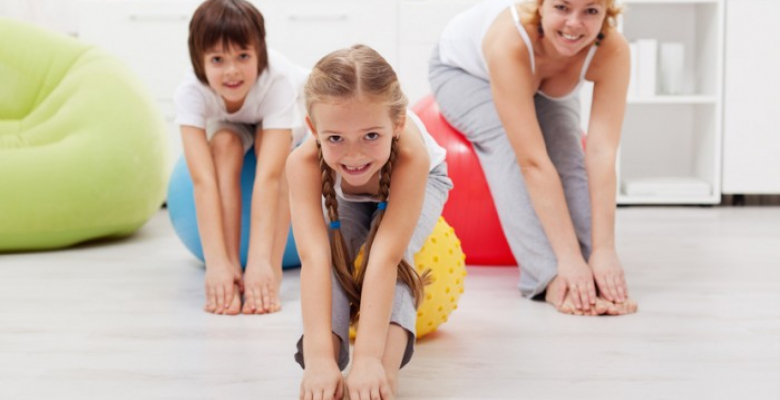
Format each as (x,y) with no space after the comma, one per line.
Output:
(260,290)
(608,274)
(368,380)
(223,281)
(577,281)
(322,381)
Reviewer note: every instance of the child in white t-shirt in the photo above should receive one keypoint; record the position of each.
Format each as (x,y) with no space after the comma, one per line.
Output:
(240,94)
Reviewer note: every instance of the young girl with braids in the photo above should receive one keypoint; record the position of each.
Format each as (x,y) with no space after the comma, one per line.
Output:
(381,181)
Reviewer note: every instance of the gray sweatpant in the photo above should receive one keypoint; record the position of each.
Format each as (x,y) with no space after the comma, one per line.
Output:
(466,102)
(356,220)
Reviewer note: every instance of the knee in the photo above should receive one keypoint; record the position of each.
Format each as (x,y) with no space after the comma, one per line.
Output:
(227,151)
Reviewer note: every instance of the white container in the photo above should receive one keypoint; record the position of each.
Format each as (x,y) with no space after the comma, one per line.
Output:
(671,66)
(647,50)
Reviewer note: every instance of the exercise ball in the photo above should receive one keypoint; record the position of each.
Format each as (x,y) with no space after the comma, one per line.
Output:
(470,208)
(443,256)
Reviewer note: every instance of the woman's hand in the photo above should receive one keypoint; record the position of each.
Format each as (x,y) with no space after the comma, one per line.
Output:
(577,280)
(222,282)
(608,274)
(322,381)
(368,380)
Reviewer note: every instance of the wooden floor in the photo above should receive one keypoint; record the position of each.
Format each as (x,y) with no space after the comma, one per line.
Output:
(123,320)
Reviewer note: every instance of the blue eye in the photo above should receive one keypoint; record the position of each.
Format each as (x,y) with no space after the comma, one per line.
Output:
(372,136)
(334,139)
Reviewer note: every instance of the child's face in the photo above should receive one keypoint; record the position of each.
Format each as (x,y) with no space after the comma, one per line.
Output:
(572,24)
(355,135)
(231,72)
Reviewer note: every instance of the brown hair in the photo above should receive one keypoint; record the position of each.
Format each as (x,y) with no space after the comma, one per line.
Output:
(359,71)
(231,22)
(532,15)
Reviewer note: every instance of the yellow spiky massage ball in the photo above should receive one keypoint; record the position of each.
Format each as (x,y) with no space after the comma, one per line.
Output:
(443,255)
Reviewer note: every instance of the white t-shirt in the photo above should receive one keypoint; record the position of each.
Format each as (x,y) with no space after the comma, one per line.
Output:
(276,100)
(460,44)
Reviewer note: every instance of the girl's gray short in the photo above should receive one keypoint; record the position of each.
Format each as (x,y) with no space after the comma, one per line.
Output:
(356,220)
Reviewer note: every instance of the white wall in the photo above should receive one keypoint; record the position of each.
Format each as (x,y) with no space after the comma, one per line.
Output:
(60,15)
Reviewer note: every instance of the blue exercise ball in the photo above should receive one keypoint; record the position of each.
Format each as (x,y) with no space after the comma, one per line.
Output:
(181,210)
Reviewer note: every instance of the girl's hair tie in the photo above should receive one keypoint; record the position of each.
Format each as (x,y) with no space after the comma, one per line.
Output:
(382,205)
(335,224)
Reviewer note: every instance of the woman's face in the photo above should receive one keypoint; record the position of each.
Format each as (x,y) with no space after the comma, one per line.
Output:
(571,25)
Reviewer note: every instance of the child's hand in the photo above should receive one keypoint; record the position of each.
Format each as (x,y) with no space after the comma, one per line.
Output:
(222,289)
(368,380)
(261,294)
(322,380)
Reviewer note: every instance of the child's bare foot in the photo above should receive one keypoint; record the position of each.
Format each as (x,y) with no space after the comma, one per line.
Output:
(602,306)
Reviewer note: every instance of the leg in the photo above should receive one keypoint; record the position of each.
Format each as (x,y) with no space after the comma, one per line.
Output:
(395,347)
(467,103)
(226,149)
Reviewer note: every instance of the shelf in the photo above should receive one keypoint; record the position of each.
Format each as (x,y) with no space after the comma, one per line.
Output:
(673,100)
(629,2)
(657,200)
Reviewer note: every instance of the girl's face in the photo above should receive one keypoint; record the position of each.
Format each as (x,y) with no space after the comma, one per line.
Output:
(231,72)
(571,25)
(355,136)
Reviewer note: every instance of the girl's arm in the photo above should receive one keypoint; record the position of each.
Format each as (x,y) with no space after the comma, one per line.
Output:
(272,146)
(407,192)
(610,77)
(311,238)
(513,89)
(221,275)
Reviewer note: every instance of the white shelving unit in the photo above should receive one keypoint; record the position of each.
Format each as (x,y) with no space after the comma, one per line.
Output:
(671,144)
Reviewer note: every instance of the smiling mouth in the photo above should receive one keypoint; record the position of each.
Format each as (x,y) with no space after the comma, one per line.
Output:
(233,85)
(355,170)
(570,38)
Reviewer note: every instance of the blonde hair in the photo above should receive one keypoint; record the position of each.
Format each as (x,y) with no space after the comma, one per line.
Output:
(355,72)
(532,15)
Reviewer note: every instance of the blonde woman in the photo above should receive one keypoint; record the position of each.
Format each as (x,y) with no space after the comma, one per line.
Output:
(507,75)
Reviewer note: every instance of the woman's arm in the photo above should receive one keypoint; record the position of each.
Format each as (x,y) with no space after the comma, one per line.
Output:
(311,238)
(610,76)
(513,91)
(407,192)
(220,273)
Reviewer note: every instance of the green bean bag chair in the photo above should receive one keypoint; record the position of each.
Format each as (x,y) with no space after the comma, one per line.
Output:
(83,150)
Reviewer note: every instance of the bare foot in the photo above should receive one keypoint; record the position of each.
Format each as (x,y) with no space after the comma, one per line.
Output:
(602,306)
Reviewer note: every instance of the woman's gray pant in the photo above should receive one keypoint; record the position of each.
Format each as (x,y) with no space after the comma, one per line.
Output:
(466,102)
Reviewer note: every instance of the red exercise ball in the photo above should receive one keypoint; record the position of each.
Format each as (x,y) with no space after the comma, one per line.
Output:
(469,209)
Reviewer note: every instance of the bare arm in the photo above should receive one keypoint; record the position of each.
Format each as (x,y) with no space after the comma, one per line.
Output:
(609,106)
(513,93)
(274,146)
(513,89)
(610,76)
(407,192)
(311,238)
(221,276)
(207,203)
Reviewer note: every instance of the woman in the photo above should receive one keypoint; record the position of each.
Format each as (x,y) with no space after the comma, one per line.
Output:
(507,75)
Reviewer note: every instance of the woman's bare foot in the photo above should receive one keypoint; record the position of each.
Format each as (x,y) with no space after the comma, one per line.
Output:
(602,306)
